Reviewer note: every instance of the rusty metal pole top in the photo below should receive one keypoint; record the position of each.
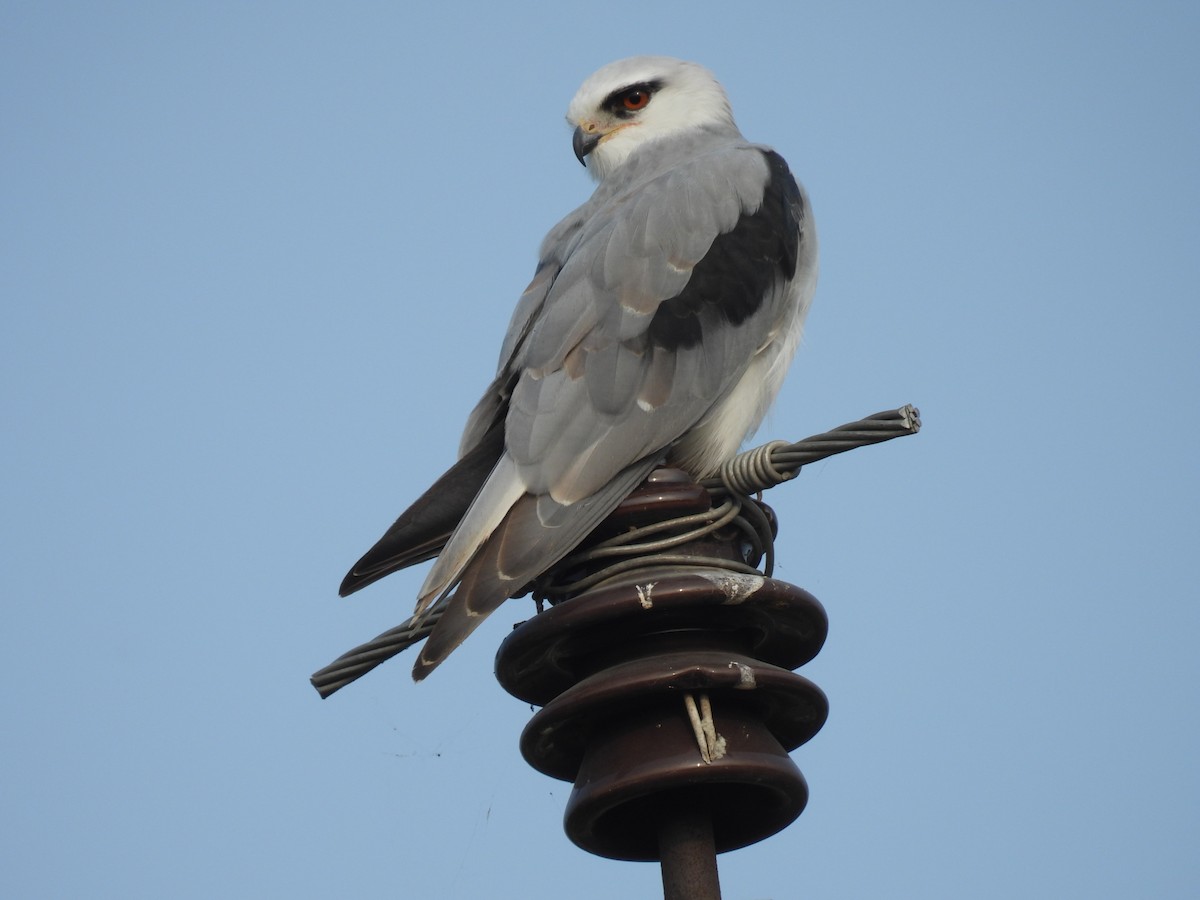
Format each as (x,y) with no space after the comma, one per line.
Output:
(688,854)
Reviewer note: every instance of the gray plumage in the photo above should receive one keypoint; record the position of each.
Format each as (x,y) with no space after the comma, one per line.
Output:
(658,326)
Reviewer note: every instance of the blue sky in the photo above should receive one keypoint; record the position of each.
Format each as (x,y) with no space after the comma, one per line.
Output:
(256,264)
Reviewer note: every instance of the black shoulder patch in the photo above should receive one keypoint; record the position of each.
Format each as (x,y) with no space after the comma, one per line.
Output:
(733,278)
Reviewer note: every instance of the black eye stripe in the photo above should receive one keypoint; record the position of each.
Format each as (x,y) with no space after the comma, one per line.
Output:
(615,102)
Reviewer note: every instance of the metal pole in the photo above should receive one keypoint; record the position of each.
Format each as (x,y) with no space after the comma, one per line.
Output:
(689,856)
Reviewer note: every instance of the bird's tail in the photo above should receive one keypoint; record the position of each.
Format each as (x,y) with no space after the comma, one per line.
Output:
(424,528)
(535,534)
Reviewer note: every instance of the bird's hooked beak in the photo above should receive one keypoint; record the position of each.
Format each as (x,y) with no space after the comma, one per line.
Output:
(584,141)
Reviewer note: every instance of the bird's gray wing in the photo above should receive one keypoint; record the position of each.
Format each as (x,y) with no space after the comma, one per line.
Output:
(663,297)
(666,297)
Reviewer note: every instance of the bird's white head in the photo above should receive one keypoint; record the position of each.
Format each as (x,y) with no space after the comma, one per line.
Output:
(633,101)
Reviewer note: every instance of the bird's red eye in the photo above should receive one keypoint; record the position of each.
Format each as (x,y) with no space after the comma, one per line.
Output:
(636,100)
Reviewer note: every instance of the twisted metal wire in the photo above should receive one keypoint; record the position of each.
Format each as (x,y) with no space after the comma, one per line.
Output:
(748,473)
(632,552)
(774,463)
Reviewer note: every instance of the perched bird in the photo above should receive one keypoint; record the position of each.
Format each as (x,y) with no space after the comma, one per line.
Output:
(658,327)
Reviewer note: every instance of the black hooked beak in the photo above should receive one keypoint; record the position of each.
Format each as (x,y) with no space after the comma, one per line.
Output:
(583,144)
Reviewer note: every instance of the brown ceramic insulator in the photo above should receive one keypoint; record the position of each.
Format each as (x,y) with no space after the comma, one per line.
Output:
(558,737)
(667,492)
(763,618)
(612,666)
(636,774)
